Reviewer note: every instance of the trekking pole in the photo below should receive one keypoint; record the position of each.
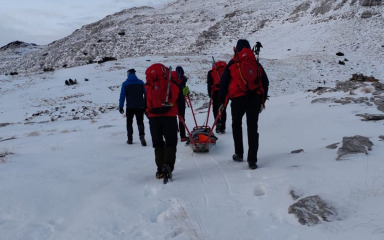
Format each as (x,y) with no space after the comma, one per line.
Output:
(168,84)
(214,64)
(256,50)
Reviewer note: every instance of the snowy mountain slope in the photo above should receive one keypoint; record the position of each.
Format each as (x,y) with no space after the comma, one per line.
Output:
(213,27)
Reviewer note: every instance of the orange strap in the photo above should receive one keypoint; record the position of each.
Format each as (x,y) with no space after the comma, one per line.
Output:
(238,68)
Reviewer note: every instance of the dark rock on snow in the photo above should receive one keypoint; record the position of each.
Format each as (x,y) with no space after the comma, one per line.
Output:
(332,146)
(353,145)
(312,210)
(371,117)
(297,151)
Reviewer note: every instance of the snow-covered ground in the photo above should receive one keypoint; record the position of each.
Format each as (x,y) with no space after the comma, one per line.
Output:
(78,179)
(67,173)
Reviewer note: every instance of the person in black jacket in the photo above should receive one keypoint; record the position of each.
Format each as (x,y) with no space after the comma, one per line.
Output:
(244,102)
(182,82)
(133,91)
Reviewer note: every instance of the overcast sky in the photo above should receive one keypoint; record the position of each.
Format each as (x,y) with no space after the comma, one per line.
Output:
(44,21)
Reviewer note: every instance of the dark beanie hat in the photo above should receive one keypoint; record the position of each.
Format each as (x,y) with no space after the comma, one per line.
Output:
(180,70)
(132,70)
(242,43)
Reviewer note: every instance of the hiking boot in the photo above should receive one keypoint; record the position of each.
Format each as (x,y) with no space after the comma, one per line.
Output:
(143,142)
(167,172)
(183,139)
(129,141)
(218,127)
(222,131)
(252,166)
(237,158)
(159,175)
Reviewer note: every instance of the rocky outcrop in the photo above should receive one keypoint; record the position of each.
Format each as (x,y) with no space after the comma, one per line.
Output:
(358,82)
(312,210)
(370,3)
(371,117)
(353,145)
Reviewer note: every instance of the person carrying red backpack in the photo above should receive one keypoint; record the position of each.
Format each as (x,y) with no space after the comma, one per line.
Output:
(163,103)
(213,83)
(246,84)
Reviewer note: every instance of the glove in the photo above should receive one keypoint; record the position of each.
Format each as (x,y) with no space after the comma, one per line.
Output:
(261,108)
(185,90)
(221,108)
(121,110)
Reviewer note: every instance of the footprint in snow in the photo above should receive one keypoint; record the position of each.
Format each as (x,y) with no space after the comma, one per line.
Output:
(253,213)
(258,191)
(150,191)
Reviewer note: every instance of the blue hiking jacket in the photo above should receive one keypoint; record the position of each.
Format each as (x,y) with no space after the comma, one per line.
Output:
(133,92)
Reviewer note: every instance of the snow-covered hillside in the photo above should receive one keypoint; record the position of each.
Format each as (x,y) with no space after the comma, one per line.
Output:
(297,30)
(67,173)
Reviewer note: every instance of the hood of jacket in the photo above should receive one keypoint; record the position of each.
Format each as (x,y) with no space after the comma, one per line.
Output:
(242,43)
(132,79)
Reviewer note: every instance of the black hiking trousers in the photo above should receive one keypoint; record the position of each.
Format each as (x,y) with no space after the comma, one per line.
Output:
(164,139)
(139,114)
(215,108)
(181,125)
(250,106)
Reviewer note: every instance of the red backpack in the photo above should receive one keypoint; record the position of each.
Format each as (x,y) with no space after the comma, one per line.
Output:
(159,96)
(217,72)
(246,72)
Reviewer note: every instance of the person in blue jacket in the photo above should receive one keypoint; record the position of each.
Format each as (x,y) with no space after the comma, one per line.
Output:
(133,92)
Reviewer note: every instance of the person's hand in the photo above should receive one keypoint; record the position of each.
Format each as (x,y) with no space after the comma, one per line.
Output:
(221,108)
(121,110)
(185,90)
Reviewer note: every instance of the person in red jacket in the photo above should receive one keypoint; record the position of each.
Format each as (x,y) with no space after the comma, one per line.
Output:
(164,126)
(246,98)
(213,83)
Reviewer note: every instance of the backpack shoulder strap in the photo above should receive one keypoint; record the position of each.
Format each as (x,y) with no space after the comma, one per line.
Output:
(238,66)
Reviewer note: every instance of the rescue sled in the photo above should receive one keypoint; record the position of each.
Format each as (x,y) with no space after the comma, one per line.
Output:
(201,138)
